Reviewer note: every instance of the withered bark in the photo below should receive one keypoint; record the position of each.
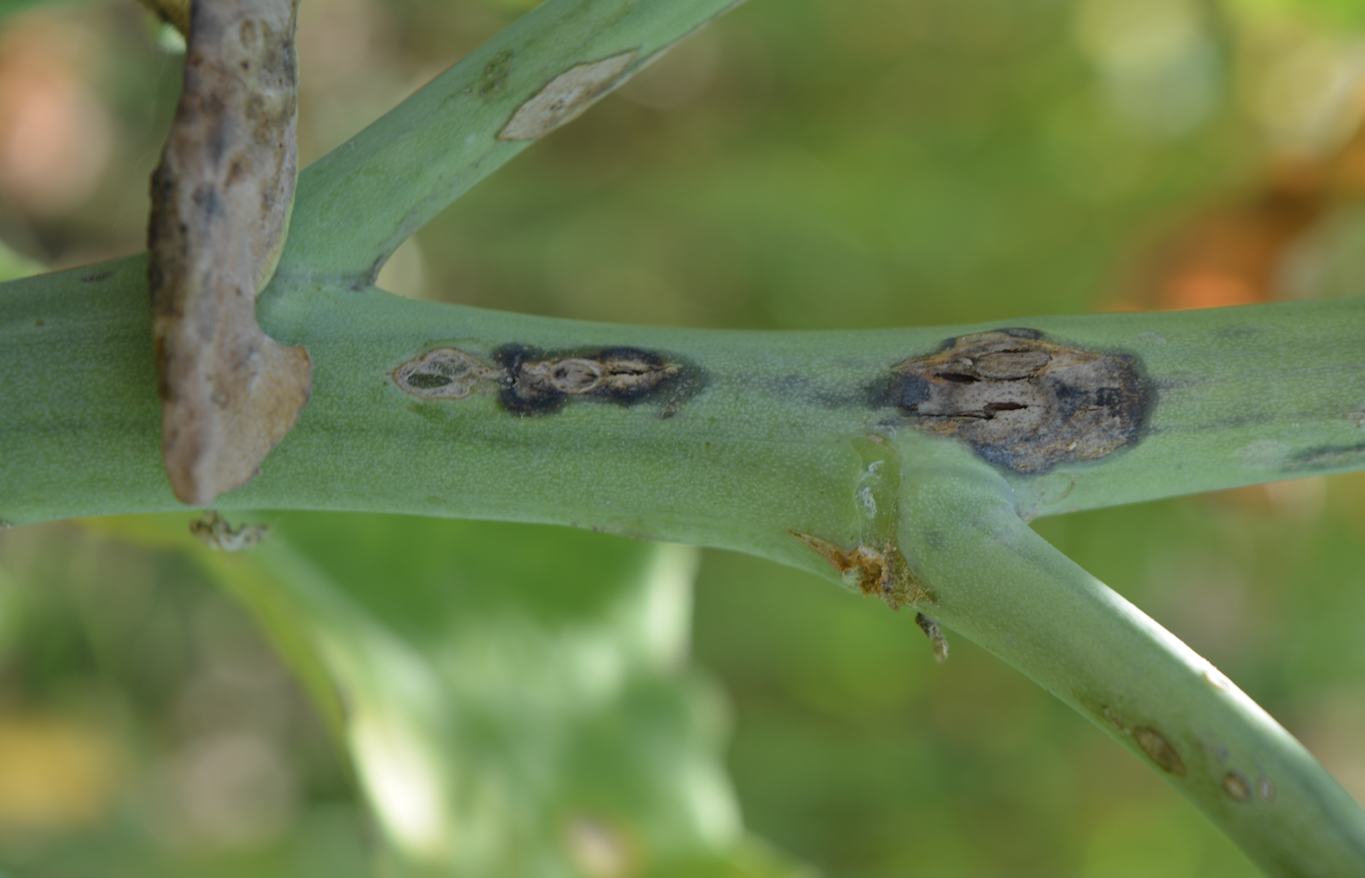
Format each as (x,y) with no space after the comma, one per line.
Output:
(220,212)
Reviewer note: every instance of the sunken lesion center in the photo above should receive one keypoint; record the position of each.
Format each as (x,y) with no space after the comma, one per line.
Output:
(622,372)
(531,382)
(1019,401)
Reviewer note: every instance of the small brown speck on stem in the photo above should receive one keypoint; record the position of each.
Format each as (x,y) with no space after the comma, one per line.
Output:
(1236,786)
(1155,745)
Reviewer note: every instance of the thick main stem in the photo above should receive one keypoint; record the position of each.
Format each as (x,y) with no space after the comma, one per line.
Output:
(758,445)
(760,437)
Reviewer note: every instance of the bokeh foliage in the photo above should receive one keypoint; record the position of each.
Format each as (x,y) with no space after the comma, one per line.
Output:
(803,164)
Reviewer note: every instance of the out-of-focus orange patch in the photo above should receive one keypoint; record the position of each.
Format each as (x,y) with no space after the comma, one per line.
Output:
(1235,253)
(55,136)
(53,774)
(1232,255)
(1207,289)
(1252,498)
(1298,501)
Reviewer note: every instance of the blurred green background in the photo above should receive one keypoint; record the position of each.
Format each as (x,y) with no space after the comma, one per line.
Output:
(800,164)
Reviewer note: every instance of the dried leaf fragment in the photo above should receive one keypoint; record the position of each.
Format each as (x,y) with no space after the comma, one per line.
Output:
(220,211)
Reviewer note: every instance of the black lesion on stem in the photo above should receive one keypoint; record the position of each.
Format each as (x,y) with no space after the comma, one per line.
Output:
(1326,457)
(1021,402)
(538,382)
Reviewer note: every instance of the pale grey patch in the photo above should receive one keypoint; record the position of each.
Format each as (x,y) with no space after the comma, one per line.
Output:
(565,97)
(1263,453)
(445,373)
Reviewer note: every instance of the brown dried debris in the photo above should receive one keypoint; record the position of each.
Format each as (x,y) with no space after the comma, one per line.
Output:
(880,573)
(1022,402)
(220,212)
(214,531)
(932,631)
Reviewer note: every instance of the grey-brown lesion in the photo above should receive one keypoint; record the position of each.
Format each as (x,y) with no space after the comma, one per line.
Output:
(541,382)
(533,382)
(1326,457)
(444,373)
(1019,401)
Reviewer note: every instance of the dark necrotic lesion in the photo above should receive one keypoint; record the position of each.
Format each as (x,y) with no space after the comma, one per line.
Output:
(1327,457)
(1021,402)
(541,382)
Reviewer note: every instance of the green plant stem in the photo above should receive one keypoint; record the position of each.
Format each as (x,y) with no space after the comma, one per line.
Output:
(1243,395)
(773,440)
(1004,587)
(355,206)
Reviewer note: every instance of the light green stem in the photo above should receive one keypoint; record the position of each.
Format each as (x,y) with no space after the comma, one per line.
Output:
(768,443)
(1007,589)
(773,437)
(773,440)
(355,206)
(1242,395)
